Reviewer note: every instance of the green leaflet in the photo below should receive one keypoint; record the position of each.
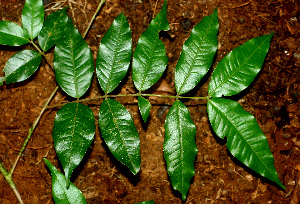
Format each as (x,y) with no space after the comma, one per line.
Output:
(197,54)
(237,70)
(245,139)
(114,54)
(62,194)
(11,34)
(180,147)
(32,18)
(21,66)
(73,63)
(144,106)
(73,132)
(53,29)
(120,134)
(149,58)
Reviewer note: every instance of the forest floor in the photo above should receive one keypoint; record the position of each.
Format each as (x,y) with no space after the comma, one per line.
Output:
(273,98)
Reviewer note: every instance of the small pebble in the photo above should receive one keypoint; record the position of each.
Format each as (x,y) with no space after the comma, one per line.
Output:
(161,111)
(89,6)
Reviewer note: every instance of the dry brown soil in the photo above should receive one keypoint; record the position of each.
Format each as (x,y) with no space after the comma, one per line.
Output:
(273,99)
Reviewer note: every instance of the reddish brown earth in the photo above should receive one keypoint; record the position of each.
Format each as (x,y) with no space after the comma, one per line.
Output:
(273,99)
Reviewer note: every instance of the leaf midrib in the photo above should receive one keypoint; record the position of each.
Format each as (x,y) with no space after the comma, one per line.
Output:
(114,60)
(225,81)
(194,59)
(72,135)
(181,145)
(119,131)
(51,30)
(32,59)
(152,51)
(241,136)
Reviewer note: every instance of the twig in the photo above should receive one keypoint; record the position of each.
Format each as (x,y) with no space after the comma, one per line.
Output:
(71,7)
(32,129)
(8,178)
(93,18)
(154,9)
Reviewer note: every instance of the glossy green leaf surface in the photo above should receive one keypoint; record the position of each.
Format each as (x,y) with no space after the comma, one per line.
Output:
(21,66)
(237,70)
(180,147)
(73,63)
(11,34)
(149,58)
(114,54)
(53,29)
(62,194)
(120,134)
(197,54)
(32,18)
(73,132)
(245,139)
(144,106)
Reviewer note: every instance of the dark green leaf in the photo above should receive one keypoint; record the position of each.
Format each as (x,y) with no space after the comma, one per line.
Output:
(53,29)
(144,106)
(11,34)
(237,70)
(114,54)
(245,139)
(32,18)
(62,194)
(197,54)
(147,202)
(73,63)
(21,66)
(149,58)
(73,133)
(120,134)
(180,147)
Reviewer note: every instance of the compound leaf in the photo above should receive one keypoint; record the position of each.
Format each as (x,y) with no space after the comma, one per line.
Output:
(21,66)
(114,54)
(197,54)
(62,194)
(73,133)
(120,134)
(12,34)
(180,147)
(237,70)
(149,58)
(73,63)
(32,18)
(245,139)
(144,106)
(53,29)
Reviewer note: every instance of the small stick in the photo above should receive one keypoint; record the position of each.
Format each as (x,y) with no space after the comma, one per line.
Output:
(93,18)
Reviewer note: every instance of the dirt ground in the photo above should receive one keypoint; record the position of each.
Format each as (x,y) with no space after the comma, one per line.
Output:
(273,99)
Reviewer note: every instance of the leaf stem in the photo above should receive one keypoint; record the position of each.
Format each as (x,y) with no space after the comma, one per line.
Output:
(8,178)
(30,131)
(41,53)
(129,95)
(93,18)
(37,48)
